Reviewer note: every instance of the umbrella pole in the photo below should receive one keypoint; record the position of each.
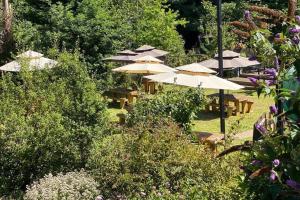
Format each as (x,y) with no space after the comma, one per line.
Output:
(221,72)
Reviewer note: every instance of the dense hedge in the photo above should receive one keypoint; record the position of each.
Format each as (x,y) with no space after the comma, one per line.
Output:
(156,161)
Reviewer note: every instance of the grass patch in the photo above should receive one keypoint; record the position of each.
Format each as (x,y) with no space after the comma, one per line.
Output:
(210,122)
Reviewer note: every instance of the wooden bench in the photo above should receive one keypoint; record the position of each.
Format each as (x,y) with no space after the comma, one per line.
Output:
(249,106)
(123,102)
(230,111)
(211,140)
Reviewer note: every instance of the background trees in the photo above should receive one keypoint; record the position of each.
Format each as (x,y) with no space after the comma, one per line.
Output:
(97,27)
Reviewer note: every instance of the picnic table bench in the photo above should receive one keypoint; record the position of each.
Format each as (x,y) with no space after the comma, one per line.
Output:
(150,86)
(235,109)
(123,95)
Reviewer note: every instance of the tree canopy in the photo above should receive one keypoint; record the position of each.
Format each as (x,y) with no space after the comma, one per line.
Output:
(97,27)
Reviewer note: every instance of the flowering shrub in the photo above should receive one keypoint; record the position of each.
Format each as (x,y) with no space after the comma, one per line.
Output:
(273,168)
(155,161)
(72,185)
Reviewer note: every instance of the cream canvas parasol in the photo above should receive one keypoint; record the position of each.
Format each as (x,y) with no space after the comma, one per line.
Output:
(34,60)
(145,65)
(231,60)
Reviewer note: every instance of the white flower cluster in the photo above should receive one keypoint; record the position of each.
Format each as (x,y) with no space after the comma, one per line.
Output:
(71,186)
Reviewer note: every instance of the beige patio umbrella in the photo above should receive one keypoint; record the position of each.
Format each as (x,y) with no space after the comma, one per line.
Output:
(195,69)
(126,56)
(144,48)
(231,60)
(34,60)
(145,65)
(147,50)
(127,52)
(203,81)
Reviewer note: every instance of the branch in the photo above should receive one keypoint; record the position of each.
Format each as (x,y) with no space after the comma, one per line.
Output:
(292,8)
(242,34)
(244,147)
(267,11)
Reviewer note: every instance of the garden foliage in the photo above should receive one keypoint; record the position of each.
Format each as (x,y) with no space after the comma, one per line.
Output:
(72,185)
(273,165)
(154,160)
(180,105)
(98,28)
(49,119)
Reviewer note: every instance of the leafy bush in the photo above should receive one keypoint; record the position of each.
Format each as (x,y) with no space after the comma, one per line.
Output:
(154,160)
(48,121)
(181,106)
(72,185)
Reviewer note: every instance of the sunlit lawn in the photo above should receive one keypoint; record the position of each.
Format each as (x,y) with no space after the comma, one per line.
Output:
(210,122)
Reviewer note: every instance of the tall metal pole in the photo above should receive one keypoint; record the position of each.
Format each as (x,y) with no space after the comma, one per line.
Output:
(221,72)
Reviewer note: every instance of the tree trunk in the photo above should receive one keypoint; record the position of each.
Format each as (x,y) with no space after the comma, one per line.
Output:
(5,6)
(6,35)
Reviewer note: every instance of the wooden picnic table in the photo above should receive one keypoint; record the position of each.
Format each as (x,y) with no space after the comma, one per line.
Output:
(122,94)
(150,86)
(237,101)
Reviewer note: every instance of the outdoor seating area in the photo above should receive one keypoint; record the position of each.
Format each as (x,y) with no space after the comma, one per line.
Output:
(234,104)
(123,96)
(195,75)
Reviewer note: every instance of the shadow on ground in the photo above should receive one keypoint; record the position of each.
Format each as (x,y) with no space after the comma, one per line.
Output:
(206,116)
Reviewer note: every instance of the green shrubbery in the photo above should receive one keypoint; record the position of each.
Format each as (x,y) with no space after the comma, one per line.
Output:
(48,121)
(181,106)
(72,185)
(156,161)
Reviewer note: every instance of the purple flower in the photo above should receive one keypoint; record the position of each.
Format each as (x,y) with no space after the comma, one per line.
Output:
(273,175)
(261,128)
(270,82)
(295,40)
(256,162)
(277,36)
(276,163)
(273,110)
(293,184)
(297,19)
(276,63)
(294,30)
(253,80)
(247,15)
(271,72)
